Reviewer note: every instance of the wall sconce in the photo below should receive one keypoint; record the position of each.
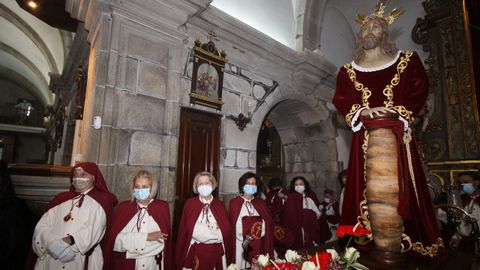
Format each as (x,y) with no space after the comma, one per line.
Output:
(241,120)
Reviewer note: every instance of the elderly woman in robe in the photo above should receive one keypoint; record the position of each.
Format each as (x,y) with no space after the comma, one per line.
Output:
(139,237)
(204,234)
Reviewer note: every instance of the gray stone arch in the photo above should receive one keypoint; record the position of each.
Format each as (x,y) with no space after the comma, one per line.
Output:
(307,133)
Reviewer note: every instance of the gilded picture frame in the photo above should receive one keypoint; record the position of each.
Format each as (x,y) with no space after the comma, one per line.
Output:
(207,75)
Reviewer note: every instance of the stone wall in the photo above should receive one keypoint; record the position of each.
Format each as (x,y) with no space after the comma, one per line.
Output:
(139,79)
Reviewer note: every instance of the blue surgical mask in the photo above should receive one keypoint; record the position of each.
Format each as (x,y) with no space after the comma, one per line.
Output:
(468,188)
(141,194)
(250,189)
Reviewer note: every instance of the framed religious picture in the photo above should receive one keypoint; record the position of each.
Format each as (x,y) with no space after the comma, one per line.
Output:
(207,74)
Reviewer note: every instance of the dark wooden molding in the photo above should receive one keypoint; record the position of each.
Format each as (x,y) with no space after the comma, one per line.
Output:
(39,170)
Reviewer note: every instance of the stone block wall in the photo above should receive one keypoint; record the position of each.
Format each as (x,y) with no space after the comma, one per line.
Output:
(140,75)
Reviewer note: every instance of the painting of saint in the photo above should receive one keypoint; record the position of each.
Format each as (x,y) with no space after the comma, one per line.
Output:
(207,81)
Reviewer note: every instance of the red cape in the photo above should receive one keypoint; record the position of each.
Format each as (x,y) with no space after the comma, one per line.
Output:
(275,204)
(234,211)
(293,215)
(191,211)
(123,214)
(99,193)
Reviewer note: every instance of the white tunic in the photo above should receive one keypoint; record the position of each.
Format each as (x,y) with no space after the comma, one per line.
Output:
(134,242)
(308,203)
(247,210)
(207,233)
(87,227)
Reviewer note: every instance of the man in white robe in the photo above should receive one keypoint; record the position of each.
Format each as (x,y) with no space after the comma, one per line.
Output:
(69,233)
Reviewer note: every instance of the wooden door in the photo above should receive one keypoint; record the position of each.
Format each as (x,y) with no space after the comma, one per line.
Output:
(198,150)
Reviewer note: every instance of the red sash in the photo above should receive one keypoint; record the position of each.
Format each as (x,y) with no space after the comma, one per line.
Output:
(310,228)
(205,256)
(252,225)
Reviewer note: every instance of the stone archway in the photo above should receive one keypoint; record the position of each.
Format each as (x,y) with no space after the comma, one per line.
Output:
(307,136)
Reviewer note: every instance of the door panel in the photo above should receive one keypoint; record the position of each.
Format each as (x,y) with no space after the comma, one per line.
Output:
(198,150)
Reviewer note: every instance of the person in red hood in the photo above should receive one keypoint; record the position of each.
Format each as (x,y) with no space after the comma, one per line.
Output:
(70,231)
(140,233)
(204,235)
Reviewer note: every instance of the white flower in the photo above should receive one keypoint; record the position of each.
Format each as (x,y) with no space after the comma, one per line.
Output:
(263,260)
(351,254)
(309,266)
(334,254)
(291,256)
(233,267)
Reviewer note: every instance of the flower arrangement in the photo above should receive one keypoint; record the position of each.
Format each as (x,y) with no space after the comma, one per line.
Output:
(326,260)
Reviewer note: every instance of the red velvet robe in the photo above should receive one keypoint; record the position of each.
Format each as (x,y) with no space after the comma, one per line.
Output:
(411,92)
(234,209)
(295,219)
(191,211)
(275,204)
(123,214)
(283,237)
(99,193)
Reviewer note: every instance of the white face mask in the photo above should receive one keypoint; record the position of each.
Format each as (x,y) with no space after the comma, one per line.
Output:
(205,190)
(81,183)
(328,200)
(300,188)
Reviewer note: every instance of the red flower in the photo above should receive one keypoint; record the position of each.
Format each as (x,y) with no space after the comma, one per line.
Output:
(348,230)
(324,259)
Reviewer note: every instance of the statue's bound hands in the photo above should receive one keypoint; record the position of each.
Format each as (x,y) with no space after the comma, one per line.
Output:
(379,112)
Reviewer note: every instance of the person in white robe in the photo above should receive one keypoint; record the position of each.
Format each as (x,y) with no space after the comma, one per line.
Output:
(69,233)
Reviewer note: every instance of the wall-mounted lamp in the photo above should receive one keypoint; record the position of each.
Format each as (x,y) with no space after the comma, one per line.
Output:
(242,120)
(32,4)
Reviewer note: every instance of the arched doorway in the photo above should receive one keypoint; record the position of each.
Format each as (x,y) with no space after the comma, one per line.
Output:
(298,139)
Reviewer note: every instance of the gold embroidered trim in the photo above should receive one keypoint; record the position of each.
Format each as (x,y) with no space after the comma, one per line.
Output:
(364,218)
(407,239)
(352,112)
(403,112)
(388,90)
(366,93)
(431,250)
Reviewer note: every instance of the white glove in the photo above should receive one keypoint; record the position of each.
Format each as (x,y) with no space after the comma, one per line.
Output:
(67,255)
(320,207)
(56,247)
(330,212)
